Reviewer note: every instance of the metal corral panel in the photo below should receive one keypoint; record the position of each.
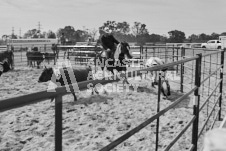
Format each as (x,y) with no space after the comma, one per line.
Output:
(3,48)
(223,123)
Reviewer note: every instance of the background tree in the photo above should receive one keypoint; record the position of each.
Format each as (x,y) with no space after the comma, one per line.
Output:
(154,38)
(69,33)
(13,36)
(123,32)
(193,38)
(176,36)
(119,29)
(139,29)
(92,33)
(81,35)
(223,34)
(163,39)
(203,37)
(214,35)
(140,32)
(51,34)
(123,27)
(33,33)
(111,25)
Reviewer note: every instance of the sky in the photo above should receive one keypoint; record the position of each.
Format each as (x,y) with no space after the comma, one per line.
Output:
(160,16)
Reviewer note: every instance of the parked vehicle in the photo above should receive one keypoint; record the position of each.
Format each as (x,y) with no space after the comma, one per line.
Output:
(212,44)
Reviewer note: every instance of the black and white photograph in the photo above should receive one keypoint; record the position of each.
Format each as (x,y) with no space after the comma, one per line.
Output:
(104,75)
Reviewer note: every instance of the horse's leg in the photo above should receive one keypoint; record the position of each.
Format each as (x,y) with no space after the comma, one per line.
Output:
(95,89)
(110,69)
(156,81)
(75,98)
(163,92)
(38,63)
(162,89)
(153,79)
(125,79)
(168,87)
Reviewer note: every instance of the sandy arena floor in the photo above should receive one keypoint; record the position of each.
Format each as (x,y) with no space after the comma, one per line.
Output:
(93,121)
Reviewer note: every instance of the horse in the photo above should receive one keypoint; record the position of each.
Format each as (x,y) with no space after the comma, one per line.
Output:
(153,61)
(114,59)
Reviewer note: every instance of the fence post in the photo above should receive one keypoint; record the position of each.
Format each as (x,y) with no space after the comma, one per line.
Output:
(182,70)
(57,51)
(158,108)
(166,53)
(21,53)
(177,60)
(95,62)
(173,53)
(12,50)
(140,52)
(196,101)
(44,47)
(67,53)
(58,123)
(221,84)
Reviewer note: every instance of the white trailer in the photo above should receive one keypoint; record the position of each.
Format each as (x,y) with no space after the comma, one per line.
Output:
(222,39)
(31,43)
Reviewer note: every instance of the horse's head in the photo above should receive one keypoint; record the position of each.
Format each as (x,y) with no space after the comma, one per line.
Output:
(125,49)
(46,75)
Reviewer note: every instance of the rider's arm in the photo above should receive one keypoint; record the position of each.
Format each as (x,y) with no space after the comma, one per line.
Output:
(105,47)
(115,40)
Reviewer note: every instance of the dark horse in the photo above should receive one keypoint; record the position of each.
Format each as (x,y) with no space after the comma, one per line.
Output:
(115,53)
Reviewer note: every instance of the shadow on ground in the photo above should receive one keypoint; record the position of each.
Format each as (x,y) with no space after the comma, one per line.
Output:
(143,89)
(92,99)
(103,98)
(176,95)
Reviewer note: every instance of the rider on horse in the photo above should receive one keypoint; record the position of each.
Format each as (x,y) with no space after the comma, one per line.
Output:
(108,42)
(115,51)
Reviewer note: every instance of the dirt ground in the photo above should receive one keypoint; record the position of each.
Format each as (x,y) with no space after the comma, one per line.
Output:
(93,121)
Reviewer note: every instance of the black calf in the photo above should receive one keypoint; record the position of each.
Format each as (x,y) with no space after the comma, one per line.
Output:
(80,75)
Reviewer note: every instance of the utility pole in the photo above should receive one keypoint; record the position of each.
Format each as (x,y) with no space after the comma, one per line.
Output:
(12,32)
(20,33)
(39,29)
